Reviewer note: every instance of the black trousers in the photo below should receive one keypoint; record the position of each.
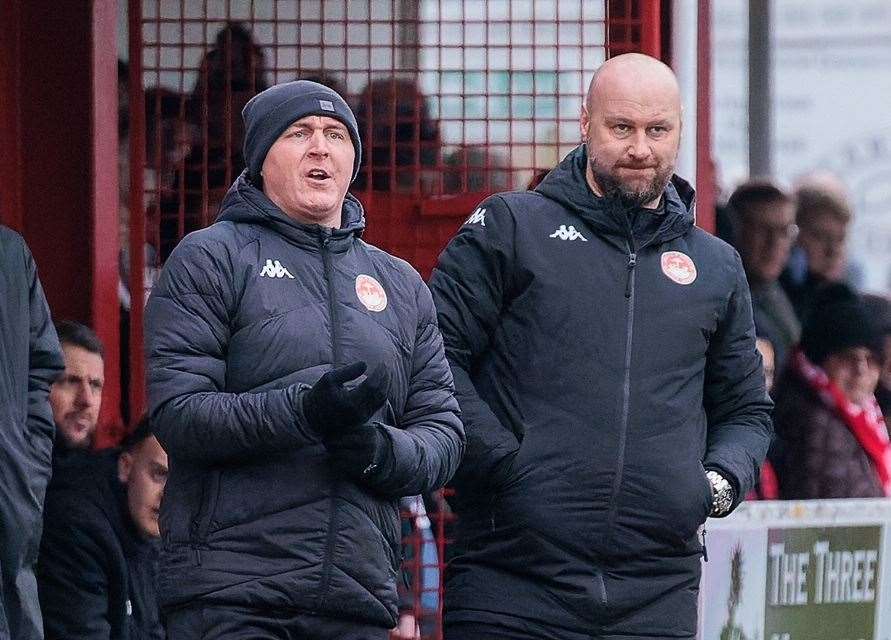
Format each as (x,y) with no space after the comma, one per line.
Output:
(516,629)
(520,629)
(214,622)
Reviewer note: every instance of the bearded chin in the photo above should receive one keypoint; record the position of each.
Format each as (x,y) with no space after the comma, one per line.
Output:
(614,188)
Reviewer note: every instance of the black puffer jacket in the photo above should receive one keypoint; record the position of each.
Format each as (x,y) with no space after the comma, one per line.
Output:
(594,388)
(30,360)
(96,572)
(247,314)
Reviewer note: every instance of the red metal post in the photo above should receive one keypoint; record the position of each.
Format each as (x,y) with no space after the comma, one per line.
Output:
(651,28)
(68,107)
(10,117)
(105,307)
(705,166)
(136,151)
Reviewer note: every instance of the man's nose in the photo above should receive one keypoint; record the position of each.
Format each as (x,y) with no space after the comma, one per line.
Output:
(85,397)
(319,144)
(639,147)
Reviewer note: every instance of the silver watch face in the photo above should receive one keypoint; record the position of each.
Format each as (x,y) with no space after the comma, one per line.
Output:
(723,493)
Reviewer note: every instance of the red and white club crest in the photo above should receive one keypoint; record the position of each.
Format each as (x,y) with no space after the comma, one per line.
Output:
(679,267)
(371,293)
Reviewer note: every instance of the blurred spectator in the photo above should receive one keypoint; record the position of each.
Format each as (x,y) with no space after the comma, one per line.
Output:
(230,74)
(335,83)
(168,135)
(98,556)
(823,217)
(400,140)
(76,395)
(475,169)
(879,308)
(768,358)
(763,220)
(30,359)
(767,487)
(832,440)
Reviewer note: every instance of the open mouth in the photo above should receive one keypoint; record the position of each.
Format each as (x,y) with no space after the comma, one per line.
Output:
(318,175)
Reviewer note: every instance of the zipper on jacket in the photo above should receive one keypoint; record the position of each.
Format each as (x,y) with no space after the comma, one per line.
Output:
(626,384)
(704,548)
(327,563)
(632,262)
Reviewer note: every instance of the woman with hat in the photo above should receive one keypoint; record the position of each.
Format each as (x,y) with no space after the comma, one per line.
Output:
(832,439)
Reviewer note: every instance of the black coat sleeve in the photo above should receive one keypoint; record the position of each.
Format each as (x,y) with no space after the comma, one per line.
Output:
(471,285)
(187,332)
(427,446)
(735,396)
(45,358)
(73,573)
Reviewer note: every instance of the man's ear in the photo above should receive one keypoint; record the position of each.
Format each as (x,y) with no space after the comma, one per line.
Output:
(584,121)
(125,465)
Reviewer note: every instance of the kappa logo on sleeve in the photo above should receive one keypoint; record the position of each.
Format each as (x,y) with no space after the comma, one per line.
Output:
(274,269)
(477,217)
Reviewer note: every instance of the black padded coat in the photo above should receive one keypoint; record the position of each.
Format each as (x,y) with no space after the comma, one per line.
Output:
(603,359)
(247,314)
(30,360)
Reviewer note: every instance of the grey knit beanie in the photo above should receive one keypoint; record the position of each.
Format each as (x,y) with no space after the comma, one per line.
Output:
(270,112)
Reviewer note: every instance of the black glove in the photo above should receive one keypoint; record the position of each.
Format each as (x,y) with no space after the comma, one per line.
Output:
(330,408)
(360,453)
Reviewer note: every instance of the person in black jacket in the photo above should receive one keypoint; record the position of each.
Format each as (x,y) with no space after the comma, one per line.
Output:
(30,360)
(98,556)
(604,360)
(280,518)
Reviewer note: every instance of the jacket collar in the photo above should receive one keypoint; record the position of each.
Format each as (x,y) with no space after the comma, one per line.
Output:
(608,217)
(245,203)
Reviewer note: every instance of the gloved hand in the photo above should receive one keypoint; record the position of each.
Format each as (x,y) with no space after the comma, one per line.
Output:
(361,452)
(331,408)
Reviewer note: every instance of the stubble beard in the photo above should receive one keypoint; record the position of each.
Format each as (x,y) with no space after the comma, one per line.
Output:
(612,187)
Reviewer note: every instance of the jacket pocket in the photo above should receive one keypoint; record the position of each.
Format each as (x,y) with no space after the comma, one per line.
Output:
(210,495)
(699,503)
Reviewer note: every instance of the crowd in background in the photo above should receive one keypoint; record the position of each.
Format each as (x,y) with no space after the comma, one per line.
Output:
(826,345)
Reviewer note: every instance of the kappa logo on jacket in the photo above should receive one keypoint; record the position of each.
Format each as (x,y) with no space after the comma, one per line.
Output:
(568,233)
(477,217)
(274,269)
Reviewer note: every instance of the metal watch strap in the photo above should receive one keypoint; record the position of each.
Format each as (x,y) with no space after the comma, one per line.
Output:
(722,493)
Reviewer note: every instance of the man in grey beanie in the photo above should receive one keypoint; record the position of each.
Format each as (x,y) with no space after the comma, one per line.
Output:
(286,462)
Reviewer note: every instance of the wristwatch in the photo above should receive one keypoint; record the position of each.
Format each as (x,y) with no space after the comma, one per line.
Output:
(722,494)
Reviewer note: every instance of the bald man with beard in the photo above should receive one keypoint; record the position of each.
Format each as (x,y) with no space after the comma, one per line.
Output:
(604,359)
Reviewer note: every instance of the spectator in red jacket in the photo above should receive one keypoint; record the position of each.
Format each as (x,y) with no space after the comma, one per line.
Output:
(832,439)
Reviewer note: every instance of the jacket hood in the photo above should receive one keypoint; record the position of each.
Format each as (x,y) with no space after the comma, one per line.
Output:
(246,203)
(567,185)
